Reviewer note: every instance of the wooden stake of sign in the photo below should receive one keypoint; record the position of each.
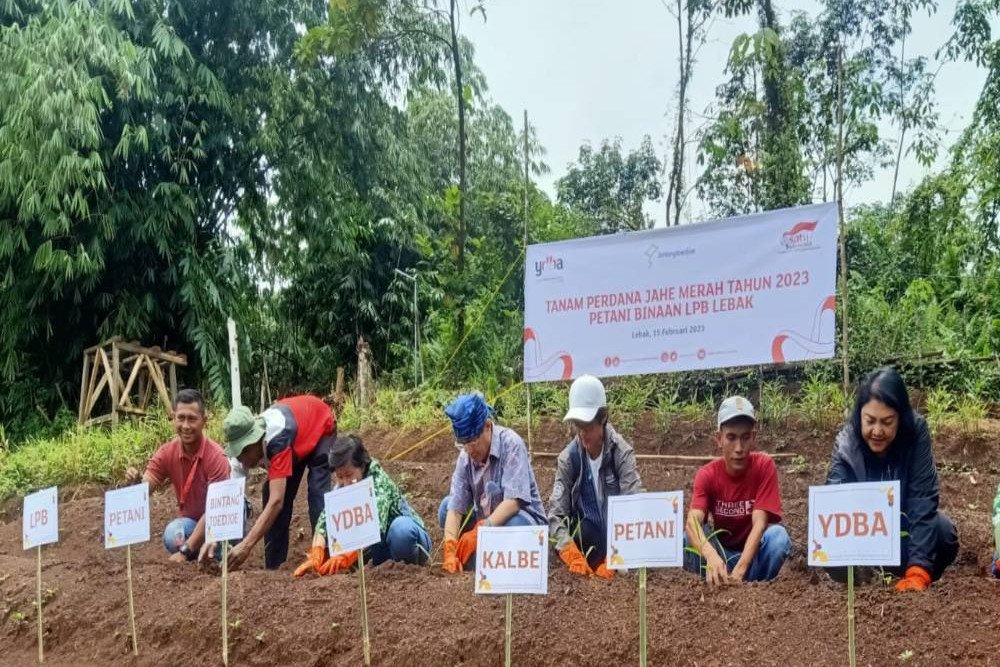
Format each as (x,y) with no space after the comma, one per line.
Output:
(642,617)
(852,658)
(506,643)
(366,644)
(41,653)
(131,601)
(225,614)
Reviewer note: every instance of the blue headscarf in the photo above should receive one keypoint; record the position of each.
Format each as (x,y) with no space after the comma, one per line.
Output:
(468,414)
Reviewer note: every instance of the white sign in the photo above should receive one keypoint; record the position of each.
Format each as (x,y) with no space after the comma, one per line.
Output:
(126,516)
(41,518)
(645,530)
(854,524)
(224,510)
(352,517)
(756,289)
(512,560)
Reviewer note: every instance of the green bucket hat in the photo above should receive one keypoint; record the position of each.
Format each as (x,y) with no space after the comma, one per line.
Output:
(241,429)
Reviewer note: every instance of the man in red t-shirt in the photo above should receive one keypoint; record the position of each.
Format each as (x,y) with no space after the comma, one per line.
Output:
(293,434)
(190,462)
(734,520)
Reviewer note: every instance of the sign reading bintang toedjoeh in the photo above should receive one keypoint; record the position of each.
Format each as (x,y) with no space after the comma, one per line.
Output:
(742,291)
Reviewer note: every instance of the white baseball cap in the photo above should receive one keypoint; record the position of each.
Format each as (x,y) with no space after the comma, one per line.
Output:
(586,397)
(733,407)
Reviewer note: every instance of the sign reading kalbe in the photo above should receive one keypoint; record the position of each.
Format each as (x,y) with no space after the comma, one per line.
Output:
(41,518)
(756,289)
(224,510)
(352,517)
(512,560)
(854,524)
(126,516)
(646,530)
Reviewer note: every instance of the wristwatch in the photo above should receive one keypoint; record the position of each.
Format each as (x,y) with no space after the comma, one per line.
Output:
(186,550)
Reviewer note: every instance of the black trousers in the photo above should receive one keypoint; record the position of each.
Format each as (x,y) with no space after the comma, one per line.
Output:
(318,463)
(945,552)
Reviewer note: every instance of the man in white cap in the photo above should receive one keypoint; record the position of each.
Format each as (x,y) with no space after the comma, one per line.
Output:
(737,504)
(597,463)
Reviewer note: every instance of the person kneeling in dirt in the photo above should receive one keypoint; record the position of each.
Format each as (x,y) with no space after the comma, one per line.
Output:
(493,483)
(733,530)
(995,567)
(887,440)
(596,464)
(190,462)
(293,434)
(404,537)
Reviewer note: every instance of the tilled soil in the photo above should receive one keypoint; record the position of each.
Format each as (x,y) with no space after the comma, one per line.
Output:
(420,616)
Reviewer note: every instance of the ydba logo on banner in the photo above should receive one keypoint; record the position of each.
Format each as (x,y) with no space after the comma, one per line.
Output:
(799,237)
(548,265)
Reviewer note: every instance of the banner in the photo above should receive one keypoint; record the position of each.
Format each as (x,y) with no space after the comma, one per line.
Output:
(854,524)
(40,520)
(512,560)
(756,289)
(646,530)
(224,510)
(351,517)
(126,516)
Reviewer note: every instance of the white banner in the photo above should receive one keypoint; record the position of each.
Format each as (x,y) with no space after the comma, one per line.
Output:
(645,530)
(512,560)
(126,516)
(351,517)
(751,290)
(854,524)
(41,518)
(225,510)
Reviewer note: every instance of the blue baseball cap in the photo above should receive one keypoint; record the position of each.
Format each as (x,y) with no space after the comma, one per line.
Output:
(468,414)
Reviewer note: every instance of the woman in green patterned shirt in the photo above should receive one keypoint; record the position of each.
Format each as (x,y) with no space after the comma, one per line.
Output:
(404,537)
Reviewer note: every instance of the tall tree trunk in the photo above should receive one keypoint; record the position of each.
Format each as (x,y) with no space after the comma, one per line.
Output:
(460,97)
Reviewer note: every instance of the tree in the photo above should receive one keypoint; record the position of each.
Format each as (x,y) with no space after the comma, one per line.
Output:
(611,188)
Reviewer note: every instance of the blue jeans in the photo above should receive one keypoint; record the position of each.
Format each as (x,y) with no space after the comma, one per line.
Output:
(406,541)
(775,545)
(522,518)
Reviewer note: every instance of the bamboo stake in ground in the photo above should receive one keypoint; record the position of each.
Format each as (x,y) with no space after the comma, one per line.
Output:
(41,653)
(506,644)
(642,617)
(131,600)
(852,658)
(225,611)
(365,643)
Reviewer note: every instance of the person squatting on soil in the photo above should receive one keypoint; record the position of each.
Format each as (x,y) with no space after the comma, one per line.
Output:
(995,569)
(293,434)
(190,462)
(596,464)
(492,485)
(404,537)
(734,520)
(887,440)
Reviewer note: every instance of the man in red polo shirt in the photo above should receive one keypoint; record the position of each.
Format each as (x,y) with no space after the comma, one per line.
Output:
(737,504)
(293,434)
(190,462)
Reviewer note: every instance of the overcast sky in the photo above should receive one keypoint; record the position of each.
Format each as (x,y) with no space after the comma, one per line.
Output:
(589,70)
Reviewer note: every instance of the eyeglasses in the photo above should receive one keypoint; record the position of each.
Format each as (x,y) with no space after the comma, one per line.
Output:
(461,445)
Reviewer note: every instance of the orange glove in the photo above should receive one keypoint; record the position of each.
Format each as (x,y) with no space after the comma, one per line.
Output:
(315,558)
(467,544)
(340,563)
(575,560)
(603,572)
(916,579)
(451,563)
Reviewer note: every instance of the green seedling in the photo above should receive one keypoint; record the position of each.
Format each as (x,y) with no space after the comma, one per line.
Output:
(260,636)
(906,655)
(235,624)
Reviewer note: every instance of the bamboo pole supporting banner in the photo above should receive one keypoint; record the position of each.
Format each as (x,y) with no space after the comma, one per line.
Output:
(234,362)
(642,617)
(38,586)
(840,215)
(131,599)
(851,653)
(365,641)
(507,631)
(225,602)
(527,386)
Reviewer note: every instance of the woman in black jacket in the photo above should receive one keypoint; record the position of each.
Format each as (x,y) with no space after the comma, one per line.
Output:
(887,440)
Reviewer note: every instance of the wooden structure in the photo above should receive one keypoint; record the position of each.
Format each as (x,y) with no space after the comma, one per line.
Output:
(120,378)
